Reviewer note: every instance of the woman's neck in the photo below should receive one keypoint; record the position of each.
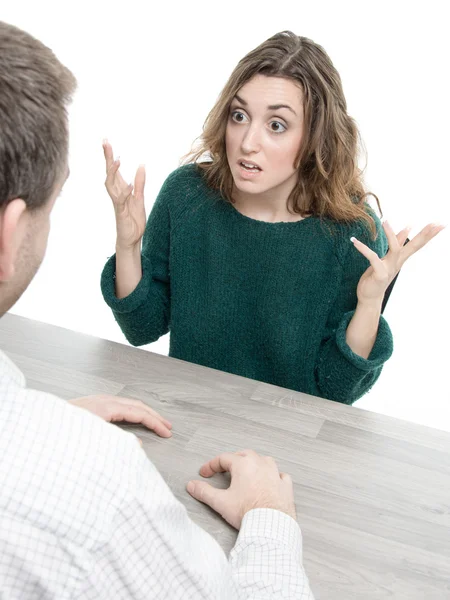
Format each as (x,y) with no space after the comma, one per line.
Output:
(269,206)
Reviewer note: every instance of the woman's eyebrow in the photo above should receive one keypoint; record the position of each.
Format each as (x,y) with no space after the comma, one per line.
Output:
(270,107)
(278,106)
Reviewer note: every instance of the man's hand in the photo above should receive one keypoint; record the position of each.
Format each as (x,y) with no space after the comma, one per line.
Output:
(255,483)
(115,408)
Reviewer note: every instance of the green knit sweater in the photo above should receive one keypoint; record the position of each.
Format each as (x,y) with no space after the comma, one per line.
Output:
(268,301)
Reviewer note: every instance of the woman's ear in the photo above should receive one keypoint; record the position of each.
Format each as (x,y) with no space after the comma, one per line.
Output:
(12,233)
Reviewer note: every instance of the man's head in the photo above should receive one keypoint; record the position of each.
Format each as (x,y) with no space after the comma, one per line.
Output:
(35,89)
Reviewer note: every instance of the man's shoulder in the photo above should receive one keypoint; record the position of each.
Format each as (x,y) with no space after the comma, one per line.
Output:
(66,470)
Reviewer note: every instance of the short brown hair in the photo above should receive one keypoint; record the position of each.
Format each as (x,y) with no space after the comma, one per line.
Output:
(329,180)
(35,89)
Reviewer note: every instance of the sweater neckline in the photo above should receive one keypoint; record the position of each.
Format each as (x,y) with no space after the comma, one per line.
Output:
(268,224)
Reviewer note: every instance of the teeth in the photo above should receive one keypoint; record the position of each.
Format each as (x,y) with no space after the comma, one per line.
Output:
(248,166)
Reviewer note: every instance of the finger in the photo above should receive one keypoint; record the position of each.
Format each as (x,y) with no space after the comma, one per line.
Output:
(219,464)
(108,152)
(272,462)
(143,406)
(421,239)
(402,236)
(394,246)
(375,261)
(139,183)
(119,200)
(365,250)
(140,441)
(132,414)
(150,411)
(112,171)
(286,478)
(126,192)
(206,493)
(113,167)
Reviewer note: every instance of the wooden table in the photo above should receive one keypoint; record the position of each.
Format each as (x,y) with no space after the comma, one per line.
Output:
(372,492)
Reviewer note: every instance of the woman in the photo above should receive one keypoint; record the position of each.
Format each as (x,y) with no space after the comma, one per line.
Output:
(264,260)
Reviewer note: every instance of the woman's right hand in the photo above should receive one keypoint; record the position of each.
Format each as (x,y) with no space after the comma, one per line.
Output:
(128,202)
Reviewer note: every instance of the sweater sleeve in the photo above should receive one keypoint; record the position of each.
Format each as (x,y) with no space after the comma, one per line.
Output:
(144,315)
(341,374)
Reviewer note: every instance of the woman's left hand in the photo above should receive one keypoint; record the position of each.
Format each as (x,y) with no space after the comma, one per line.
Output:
(374,282)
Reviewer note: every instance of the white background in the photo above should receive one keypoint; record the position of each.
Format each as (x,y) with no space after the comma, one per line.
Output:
(149,73)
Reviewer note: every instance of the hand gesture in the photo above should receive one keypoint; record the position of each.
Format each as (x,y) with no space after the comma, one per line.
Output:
(114,408)
(255,483)
(129,207)
(381,272)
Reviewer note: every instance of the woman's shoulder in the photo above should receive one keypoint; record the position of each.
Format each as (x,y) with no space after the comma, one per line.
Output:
(186,177)
(360,229)
(184,187)
(375,240)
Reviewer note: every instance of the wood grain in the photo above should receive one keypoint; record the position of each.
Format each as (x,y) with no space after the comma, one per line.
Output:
(372,492)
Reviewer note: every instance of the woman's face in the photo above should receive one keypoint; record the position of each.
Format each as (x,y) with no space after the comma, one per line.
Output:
(264,130)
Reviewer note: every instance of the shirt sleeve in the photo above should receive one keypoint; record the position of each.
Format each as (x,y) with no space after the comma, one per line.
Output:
(341,374)
(144,315)
(266,561)
(154,550)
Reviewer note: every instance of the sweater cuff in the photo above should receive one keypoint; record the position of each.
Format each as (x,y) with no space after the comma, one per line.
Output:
(137,296)
(271,524)
(380,352)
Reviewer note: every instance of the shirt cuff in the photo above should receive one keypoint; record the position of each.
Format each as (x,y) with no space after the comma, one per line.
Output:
(137,297)
(381,351)
(271,524)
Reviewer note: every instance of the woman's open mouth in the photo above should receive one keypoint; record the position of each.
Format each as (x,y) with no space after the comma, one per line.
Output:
(249,168)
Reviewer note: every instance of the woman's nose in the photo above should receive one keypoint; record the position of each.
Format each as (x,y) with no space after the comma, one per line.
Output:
(251,142)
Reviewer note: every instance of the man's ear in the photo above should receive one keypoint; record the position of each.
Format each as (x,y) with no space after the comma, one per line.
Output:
(12,233)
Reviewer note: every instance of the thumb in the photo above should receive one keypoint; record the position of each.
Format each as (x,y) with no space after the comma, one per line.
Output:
(286,478)
(287,483)
(202,491)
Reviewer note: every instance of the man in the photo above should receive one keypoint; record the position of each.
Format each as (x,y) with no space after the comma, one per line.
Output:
(83,512)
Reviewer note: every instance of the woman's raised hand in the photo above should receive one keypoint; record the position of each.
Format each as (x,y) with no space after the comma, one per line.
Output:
(381,272)
(128,201)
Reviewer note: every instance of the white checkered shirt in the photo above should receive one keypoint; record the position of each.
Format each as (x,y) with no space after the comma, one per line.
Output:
(84,514)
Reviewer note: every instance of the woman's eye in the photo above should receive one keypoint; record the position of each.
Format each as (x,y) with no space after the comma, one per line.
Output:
(237,116)
(277,127)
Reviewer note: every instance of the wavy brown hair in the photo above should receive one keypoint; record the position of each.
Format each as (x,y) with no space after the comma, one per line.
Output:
(329,181)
